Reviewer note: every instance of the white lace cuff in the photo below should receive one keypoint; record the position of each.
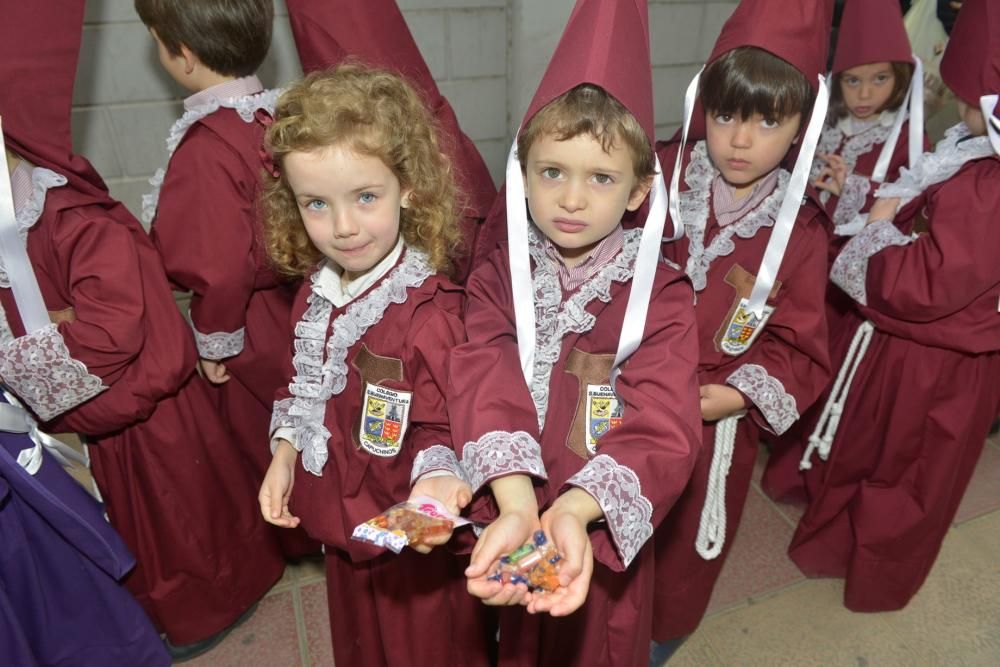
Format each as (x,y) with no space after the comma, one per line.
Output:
(436,459)
(617,490)
(219,345)
(287,434)
(500,453)
(40,370)
(850,269)
(768,394)
(281,422)
(852,199)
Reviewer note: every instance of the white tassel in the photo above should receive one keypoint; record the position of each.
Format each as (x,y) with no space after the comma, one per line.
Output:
(712,527)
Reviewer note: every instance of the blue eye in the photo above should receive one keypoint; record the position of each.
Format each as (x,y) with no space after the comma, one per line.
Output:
(315,205)
(603,179)
(551,172)
(367,198)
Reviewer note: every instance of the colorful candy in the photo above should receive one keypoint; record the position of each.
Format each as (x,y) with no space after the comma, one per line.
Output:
(535,564)
(411,522)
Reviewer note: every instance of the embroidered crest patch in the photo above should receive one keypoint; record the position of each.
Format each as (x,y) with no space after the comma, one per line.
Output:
(384,419)
(604,412)
(743,327)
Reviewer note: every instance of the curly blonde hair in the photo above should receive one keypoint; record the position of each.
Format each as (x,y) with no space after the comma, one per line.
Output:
(377,114)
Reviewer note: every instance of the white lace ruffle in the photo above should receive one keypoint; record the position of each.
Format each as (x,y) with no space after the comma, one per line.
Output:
(42,180)
(6,335)
(617,489)
(768,394)
(219,345)
(944,162)
(555,318)
(500,453)
(316,380)
(246,106)
(852,199)
(38,368)
(850,269)
(280,417)
(694,207)
(436,457)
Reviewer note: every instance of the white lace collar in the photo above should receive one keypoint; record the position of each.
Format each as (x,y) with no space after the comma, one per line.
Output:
(246,106)
(938,166)
(42,180)
(694,209)
(554,318)
(849,126)
(316,380)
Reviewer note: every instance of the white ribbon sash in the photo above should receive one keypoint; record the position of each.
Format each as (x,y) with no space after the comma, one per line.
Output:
(915,97)
(15,419)
(987,103)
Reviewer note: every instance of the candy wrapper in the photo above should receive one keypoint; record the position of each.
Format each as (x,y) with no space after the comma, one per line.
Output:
(535,564)
(411,522)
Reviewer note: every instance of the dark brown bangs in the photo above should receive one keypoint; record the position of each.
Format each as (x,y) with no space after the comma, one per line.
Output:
(748,81)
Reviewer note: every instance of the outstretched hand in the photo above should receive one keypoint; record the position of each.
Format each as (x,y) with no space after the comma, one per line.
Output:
(451,492)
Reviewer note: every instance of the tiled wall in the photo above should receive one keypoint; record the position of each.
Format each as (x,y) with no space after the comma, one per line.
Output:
(487,56)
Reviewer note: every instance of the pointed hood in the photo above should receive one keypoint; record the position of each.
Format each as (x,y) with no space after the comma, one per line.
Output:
(39,51)
(871,31)
(374,31)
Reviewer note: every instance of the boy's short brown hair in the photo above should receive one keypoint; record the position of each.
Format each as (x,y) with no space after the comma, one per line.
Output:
(903,72)
(231,37)
(589,109)
(749,80)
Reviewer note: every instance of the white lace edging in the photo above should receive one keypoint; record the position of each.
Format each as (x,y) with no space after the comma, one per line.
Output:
(617,489)
(768,394)
(555,318)
(501,453)
(436,457)
(694,207)
(220,344)
(938,166)
(38,367)
(245,105)
(42,180)
(280,418)
(852,199)
(850,269)
(316,380)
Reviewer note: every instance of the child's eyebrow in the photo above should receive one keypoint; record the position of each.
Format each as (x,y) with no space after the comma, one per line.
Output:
(597,169)
(364,188)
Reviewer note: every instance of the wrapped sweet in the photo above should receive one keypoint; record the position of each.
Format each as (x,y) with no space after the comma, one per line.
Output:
(535,564)
(410,522)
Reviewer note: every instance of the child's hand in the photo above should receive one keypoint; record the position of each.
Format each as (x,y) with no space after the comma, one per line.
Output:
(451,492)
(508,532)
(833,176)
(277,487)
(718,401)
(883,209)
(214,371)
(566,524)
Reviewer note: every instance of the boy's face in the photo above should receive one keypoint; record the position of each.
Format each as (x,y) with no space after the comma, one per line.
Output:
(745,151)
(973,118)
(577,192)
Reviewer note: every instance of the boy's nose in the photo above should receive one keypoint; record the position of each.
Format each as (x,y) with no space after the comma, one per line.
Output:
(742,135)
(573,198)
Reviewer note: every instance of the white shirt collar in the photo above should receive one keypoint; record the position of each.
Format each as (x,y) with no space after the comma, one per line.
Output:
(330,287)
(850,127)
(247,85)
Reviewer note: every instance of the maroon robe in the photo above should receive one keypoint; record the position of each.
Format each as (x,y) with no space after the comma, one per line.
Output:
(389,610)
(210,237)
(174,484)
(923,398)
(640,467)
(780,374)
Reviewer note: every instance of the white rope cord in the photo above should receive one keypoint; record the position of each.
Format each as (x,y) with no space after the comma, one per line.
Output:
(822,437)
(712,527)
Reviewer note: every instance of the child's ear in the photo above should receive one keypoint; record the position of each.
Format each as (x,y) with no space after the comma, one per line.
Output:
(639,193)
(404,197)
(190,59)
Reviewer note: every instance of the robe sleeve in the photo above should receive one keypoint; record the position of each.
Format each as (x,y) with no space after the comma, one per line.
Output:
(204,230)
(643,465)
(788,365)
(59,367)
(486,388)
(940,272)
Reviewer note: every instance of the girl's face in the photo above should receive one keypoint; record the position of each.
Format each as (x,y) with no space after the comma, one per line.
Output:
(349,203)
(866,89)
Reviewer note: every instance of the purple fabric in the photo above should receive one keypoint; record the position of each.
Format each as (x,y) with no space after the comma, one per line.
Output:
(60,601)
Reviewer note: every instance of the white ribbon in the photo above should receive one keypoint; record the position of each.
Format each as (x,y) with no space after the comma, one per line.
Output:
(988,103)
(712,526)
(915,97)
(520,263)
(24,284)
(15,419)
(675,179)
(783,224)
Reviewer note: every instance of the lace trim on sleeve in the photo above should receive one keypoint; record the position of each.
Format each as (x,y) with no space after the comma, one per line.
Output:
(219,345)
(38,367)
(850,269)
(436,457)
(500,453)
(617,489)
(768,394)
(246,106)
(852,199)
(280,416)
(42,180)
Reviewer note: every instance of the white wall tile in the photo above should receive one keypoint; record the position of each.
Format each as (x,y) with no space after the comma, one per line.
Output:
(675,33)
(428,29)
(477,43)
(669,85)
(452,4)
(118,64)
(479,105)
(129,191)
(140,132)
(92,138)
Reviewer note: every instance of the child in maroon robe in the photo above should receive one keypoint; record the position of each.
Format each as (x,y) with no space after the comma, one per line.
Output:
(117,364)
(203,211)
(757,369)
(925,393)
(533,400)
(364,205)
